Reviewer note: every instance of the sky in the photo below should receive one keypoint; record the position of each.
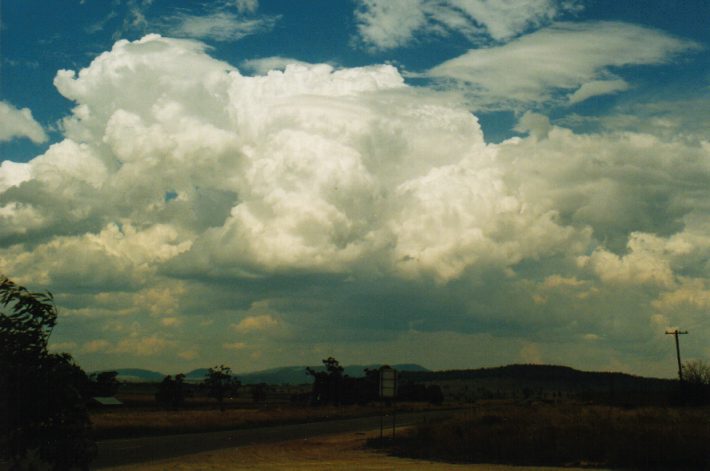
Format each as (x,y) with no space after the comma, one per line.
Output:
(454,183)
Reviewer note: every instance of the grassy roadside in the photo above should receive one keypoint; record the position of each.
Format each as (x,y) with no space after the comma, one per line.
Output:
(569,434)
(128,422)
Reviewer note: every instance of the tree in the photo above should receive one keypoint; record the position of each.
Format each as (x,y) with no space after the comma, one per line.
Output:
(328,384)
(696,372)
(41,405)
(220,384)
(696,375)
(171,392)
(103,384)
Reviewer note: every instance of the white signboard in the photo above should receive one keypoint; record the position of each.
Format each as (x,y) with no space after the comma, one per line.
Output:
(388,382)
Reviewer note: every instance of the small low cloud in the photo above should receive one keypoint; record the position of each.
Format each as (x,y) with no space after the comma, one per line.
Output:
(171,321)
(531,353)
(597,88)
(557,281)
(18,123)
(247,6)
(63,346)
(536,124)
(134,344)
(256,323)
(142,345)
(188,355)
(236,346)
(96,346)
(222,26)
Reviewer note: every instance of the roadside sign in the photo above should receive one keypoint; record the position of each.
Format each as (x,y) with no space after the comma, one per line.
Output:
(388,382)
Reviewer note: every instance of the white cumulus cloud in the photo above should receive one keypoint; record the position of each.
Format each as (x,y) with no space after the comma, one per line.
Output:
(596,88)
(17,123)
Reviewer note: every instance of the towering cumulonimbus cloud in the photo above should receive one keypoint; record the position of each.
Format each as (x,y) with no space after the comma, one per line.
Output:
(312,168)
(343,198)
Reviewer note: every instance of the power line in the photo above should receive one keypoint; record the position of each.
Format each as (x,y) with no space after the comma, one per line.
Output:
(675,334)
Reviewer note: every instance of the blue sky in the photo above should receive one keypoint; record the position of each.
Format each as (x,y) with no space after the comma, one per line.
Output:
(262,183)
(39,39)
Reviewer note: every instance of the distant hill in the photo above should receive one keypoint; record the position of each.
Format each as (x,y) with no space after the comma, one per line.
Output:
(529,372)
(281,375)
(196,375)
(543,381)
(137,375)
(297,374)
(549,382)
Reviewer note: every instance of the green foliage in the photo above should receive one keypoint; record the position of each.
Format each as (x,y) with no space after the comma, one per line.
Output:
(220,384)
(26,321)
(40,393)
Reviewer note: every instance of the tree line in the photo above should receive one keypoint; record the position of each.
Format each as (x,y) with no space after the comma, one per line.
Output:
(218,384)
(332,386)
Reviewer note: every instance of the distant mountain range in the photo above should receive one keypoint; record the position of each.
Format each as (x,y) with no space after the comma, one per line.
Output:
(511,381)
(281,375)
(515,381)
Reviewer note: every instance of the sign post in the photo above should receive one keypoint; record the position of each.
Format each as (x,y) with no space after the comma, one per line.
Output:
(388,392)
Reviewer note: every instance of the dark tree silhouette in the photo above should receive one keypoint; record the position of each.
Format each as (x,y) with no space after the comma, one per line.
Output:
(103,384)
(328,384)
(41,404)
(220,384)
(696,372)
(171,392)
(696,375)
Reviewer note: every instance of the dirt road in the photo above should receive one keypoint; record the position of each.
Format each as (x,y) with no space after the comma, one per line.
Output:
(324,453)
(142,450)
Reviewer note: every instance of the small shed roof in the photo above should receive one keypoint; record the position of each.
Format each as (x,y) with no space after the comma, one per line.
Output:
(107,401)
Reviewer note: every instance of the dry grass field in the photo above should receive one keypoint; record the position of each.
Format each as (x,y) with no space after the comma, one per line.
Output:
(511,433)
(129,422)
(568,434)
(337,452)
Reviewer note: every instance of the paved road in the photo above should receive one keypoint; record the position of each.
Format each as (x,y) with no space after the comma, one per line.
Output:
(139,450)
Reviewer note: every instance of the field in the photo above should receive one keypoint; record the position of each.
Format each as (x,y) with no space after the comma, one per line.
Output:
(133,423)
(534,429)
(567,434)
(140,416)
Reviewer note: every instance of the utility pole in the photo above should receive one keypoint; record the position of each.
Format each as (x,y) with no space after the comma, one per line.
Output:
(675,334)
